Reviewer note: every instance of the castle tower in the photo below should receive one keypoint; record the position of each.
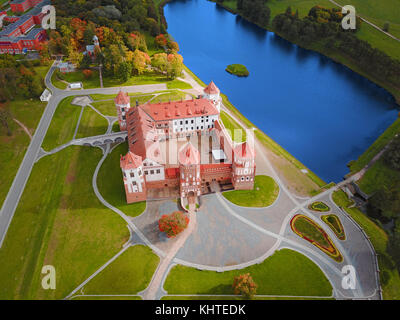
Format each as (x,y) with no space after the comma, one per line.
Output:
(243,167)
(132,171)
(122,103)
(189,170)
(96,41)
(211,92)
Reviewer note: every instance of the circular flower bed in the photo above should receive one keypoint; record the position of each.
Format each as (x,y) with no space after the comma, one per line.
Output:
(335,224)
(173,224)
(319,206)
(309,230)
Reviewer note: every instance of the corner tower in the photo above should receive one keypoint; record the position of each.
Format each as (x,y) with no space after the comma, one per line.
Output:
(243,167)
(211,92)
(122,103)
(132,171)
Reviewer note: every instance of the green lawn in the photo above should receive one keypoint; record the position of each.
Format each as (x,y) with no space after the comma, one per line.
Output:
(286,272)
(111,185)
(130,273)
(379,240)
(145,78)
(237,133)
(236,298)
(377,146)
(13,148)
(178,84)
(378,12)
(60,222)
(62,127)
(77,76)
(265,192)
(173,95)
(91,124)
(108,107)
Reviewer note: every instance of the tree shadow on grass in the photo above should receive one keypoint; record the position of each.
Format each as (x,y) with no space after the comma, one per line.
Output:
(221,289)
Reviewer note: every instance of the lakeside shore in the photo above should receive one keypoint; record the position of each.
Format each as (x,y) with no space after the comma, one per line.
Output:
(335,56)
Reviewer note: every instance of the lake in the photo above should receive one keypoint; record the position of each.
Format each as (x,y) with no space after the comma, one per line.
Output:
(320,111)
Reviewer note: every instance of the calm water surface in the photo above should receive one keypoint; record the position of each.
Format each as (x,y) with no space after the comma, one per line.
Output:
(321,112)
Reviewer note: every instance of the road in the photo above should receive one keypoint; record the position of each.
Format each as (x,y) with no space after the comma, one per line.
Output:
(14,194)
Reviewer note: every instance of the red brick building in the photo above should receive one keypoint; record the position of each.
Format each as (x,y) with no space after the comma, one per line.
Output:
(23,5)
(181,146)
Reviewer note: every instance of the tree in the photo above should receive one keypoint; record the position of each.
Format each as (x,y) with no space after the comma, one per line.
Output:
(386,26)
(173,224)
(161,40)
(5,116)
(174,65)
(173,46)
(87,73)
(244,285)
(160,62)
(124,71)
(139,61)
(392,154)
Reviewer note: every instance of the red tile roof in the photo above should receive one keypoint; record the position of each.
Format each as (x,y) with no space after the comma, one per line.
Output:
(130,161)
(211,88)
(179,109)
(244,151)
(122,98)
(189,155)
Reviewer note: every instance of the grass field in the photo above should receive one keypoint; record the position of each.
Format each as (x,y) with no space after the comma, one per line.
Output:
(91,124)
(265,192)
(130,273)
(13,148)
(77,76)
(379,240)
(286,272)
(59,221)
(178,84)
(62,127)
(173,95)
(145,78)
(108,107)
(237,133)
(111,185)
(378,12)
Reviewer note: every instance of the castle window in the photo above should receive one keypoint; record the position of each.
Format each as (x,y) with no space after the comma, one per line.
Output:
(186,122)
(158,171)
(122,109)
(146,172)
(132,174)
(134,183)
(151,171)
(192,121)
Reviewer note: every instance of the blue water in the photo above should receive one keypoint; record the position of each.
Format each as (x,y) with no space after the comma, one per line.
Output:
(321,112)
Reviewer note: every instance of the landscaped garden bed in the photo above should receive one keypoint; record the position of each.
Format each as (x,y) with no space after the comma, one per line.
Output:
(334,223)
(319,206)
(309,230)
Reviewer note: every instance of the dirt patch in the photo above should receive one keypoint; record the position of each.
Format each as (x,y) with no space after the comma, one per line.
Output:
(70,178)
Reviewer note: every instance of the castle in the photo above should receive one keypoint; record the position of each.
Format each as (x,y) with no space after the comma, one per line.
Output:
(181,149)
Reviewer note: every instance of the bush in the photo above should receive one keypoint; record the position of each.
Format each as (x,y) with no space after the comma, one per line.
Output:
(173,224)
(87,73)
(244,285)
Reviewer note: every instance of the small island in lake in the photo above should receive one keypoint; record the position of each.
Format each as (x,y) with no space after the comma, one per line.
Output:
(238,70)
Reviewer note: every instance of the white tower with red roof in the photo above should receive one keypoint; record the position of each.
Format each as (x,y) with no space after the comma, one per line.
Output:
(211,92)
(189,169)
(243,167)
(122,103)
(132,171)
